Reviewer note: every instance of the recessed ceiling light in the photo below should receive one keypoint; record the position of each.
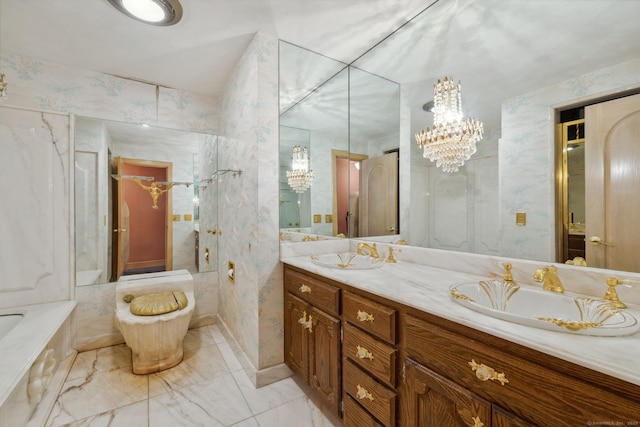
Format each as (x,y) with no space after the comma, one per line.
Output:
(154,12)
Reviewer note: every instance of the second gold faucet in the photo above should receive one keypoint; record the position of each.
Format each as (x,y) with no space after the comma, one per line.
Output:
(373,250)
(549,277)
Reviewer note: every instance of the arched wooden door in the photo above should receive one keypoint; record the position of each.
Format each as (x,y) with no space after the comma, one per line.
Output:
(612,161)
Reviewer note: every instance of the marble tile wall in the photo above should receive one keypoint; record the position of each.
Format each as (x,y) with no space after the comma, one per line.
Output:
(248,212)
(526,153)
(36,245)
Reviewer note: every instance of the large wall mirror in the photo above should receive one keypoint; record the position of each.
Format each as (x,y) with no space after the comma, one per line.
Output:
(350,124)
(142,195)
(521,66)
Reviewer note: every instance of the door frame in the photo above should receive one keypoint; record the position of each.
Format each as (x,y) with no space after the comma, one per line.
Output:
(340,154)
(168,202)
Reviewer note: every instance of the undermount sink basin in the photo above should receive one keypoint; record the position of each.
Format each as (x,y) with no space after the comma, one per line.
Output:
(544,309)
(347,261)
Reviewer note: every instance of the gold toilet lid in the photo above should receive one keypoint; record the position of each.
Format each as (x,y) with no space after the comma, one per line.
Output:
(158,303)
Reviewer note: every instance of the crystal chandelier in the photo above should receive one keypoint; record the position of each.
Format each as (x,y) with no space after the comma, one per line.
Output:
(300,177)
(452,140)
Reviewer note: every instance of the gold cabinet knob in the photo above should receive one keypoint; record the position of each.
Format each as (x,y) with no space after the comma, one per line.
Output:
(212,231)
(363,316)
(309,324)
(303,319)
(362,353)
(305,289)
(363,393)
(484,373)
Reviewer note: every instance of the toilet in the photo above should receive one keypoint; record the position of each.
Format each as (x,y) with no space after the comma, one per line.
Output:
(156,341)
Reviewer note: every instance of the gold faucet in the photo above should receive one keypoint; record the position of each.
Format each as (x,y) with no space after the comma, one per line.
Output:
(373,250)
(549,276)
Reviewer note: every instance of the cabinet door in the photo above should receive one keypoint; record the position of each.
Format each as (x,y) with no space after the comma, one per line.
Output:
(434,401)
(324,357)
(296,349)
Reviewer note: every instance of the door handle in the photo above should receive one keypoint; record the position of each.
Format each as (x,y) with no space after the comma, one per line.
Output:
(391,229)
(597,241)
(119,230)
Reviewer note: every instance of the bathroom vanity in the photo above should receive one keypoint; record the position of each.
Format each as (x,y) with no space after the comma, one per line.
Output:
(388,347)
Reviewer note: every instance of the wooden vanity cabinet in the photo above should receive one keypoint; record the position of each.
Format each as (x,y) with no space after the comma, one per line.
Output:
(312,334)
(399,366)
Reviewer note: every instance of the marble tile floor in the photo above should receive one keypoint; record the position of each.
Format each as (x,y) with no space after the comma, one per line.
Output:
(209,388)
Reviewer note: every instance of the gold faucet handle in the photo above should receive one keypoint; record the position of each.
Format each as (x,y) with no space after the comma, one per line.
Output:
(507,272)
(390,257)
(612,295)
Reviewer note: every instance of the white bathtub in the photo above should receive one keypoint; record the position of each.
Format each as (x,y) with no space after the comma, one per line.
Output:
(36,352)
(8,322)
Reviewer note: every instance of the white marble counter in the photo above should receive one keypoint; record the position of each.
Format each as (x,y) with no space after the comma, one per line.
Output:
(427,288)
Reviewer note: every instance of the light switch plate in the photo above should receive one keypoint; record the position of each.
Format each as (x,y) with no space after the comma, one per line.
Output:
(317,218)
(176,217)
(187,217)
(521,218)
(328,218)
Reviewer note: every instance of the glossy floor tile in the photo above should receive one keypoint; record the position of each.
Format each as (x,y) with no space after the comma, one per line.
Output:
(208,388)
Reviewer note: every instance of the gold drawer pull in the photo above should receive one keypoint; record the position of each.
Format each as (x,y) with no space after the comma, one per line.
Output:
(363,393)
(305,289)
(484,373)
(363,316)
(477,422)
(362,353)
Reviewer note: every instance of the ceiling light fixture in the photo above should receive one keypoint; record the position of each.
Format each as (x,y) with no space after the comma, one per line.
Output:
(154,12)
(452,140)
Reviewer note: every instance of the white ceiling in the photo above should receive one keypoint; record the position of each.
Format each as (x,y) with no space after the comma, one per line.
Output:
(199,53)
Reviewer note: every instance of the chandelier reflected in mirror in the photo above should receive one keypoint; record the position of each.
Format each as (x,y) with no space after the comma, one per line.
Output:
(452,139)
(300,177)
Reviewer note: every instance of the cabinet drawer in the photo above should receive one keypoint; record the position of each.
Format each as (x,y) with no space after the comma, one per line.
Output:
(374,318)
(314,291)
(373,396)
(539,394)
(356,416)
(378,358)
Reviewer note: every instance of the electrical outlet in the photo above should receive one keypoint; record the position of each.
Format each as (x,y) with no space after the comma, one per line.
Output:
(176,217)
(187,217)
(317,218)
(328,218)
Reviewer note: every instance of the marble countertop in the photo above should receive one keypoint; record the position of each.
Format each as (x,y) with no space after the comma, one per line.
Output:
(427,288)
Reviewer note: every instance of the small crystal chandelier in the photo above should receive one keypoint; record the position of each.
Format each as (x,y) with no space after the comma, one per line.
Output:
(452,140)
(300,177)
